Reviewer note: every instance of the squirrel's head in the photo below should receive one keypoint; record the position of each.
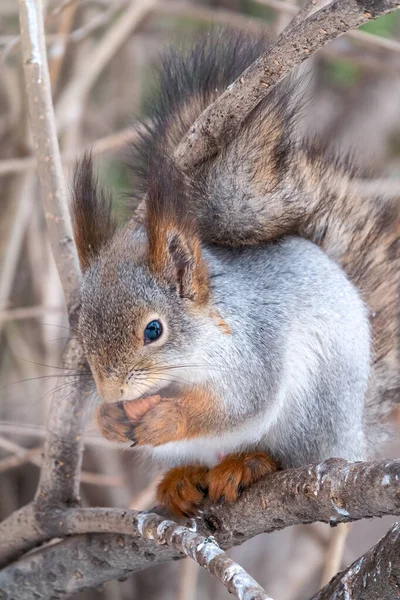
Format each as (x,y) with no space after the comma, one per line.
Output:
(145,290)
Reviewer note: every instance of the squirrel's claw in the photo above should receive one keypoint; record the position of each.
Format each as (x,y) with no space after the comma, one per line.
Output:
(235,473)
(183,489)
(118,420)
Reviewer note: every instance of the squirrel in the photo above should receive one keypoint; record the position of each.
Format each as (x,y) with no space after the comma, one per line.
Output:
(249,321)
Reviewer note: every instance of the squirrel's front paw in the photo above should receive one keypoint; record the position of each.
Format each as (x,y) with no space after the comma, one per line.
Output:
(113,422)
(183,489)
(117,420)
(236,472)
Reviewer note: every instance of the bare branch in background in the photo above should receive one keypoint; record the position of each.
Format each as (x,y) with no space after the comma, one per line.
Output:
(93,64)
(205,551)
(335,552)
(59,479)
(47,153)
(109,143)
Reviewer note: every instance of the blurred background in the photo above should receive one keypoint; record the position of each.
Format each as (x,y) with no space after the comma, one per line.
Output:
(101,57)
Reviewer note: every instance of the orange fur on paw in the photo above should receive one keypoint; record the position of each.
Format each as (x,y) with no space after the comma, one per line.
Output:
(136,409)
(236,472)
(183,489)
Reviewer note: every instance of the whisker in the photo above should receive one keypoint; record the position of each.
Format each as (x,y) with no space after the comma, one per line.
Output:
(46,377)
(194,366)
(189,366)
(62,327)
(50,392)
(47,366)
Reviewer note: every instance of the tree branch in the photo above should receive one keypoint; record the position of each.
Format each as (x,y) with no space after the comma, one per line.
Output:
(205,551)
(376,574)
(59,480)
(332,491)
(41,113)
(94,63)
(222,119)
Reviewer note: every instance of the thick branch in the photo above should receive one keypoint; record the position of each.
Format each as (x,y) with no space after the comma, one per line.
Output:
(221,120)
(333,491)
(205,551)
(61,467)
(89,560)
(41,113)
(374,575)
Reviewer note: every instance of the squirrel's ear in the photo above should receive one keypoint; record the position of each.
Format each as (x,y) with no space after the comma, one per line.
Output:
(184,266)
(174,245)
(91,213)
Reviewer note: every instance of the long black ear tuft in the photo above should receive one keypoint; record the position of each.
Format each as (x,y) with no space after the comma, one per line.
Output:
(91,212)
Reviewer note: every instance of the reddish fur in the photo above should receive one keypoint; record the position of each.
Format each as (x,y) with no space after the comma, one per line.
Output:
(156,421)
(183,489)
(223,325)
(237,472)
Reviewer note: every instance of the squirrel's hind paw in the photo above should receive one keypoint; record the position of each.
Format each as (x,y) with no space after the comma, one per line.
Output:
(183,489)
(236,472)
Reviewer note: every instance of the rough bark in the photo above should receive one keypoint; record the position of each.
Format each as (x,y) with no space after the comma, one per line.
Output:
(221,120)
(47,152)
(333,491)
(374,576)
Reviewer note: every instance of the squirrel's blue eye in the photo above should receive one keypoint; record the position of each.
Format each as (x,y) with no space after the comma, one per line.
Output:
(153,331)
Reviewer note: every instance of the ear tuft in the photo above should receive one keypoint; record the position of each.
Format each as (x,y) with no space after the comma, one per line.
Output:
(174,244)
(91,213)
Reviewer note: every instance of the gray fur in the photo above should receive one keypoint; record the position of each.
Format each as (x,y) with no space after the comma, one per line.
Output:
(305,337)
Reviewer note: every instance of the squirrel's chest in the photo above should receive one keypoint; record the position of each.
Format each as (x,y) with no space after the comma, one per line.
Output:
(211,449)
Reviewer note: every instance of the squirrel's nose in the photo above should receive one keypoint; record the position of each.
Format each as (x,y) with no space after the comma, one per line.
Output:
(110,391)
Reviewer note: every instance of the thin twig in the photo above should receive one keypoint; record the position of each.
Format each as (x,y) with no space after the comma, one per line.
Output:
(109,143)
(14,461)
(30,430)
(335,551)
(54,192)
(215,14)
(146,498)
(189,574)
(57,51)
(29,312)
(93,64)
(204,551)
(22,208)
